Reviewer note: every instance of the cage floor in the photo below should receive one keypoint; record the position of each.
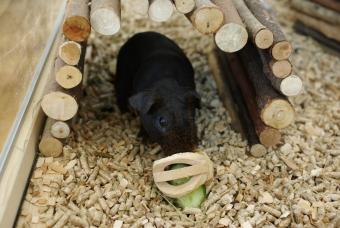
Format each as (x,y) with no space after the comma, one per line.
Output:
(104,176)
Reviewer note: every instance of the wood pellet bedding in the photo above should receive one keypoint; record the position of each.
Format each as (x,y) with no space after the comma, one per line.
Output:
(104,179)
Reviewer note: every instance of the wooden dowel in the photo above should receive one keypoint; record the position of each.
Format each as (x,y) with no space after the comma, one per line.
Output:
(207,18)
(316,11)
(262,37)
(105,16)
(330,4)
(268,136)
(76,25)
(184,6)
(330,31)
(160,10)
(140,7)
(281,48)
(69,52)
(275,109)
(50,146)
(67,76)
(232,36)
(60,130)
(305,30)
(248,126)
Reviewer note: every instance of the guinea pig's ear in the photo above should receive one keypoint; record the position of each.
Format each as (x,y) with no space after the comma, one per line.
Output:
(142,102)
(194,98)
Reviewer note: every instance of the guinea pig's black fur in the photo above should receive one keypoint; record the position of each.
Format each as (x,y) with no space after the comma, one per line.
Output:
(156,79)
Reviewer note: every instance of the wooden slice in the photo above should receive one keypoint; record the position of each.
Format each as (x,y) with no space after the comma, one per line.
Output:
(60,130)
(105,16)
(50,146)
(160,10)
(278,114)
(59,106)
(68,76)
(291,86)
(282,68)
(69,52)
(184,6)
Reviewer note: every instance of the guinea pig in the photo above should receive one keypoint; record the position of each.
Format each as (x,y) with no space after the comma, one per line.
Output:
(155,79)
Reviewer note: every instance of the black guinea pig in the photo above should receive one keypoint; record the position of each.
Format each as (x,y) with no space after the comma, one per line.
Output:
(156,80)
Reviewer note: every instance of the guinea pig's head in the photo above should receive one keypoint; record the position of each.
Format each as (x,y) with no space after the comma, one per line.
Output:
(169,119)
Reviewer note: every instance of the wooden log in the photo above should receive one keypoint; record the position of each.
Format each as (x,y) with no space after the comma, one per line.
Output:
(262,37)
(279,68)
(247,125)
(140,7)
(60,130)
(281,48)
(50,146)
(105,16)
(268,136)
(76,26)
(316,11)
(330,4)
(69,52)
(207,18)
(305,30)
(160,10)
(232,36)
(330,31)
(275,109)
(184,6)
(67,76)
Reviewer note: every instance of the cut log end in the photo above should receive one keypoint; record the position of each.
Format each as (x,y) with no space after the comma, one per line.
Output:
(291,86)
(258,150)
(105,21)
(282,50)
(160,10)
(68,77)
(264,39)
(208,20)
(77,28)
(59,106)
(60,130)
(270,137)
(50,147)
(70,52)
(231,37)
(282,68)
(278,114)
(184,6)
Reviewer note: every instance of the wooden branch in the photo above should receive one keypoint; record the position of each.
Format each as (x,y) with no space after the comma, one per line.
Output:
(256,147)
(305,30)
(60,130)
(330,4)
(50,146)
(67,76)
(140,7)
(184,6)
(316,11)
(232,36)
(275,109)
(69,52)
(268,136)
(76,26)
(207,18)
(160,10)
(262,37)
(105,16)
(330,31)
(281,48)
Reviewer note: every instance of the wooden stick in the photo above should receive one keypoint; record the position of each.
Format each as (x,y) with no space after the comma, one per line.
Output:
(207,18)
(316,11)
(330,4)
(275,109)
(50,146)
(232,36)
(184,6)
(281,48)
(280,68)
(262,37)
(247,125)
(67,76)
(268,136)
(160,10)
(60,130)
(105,16)
(69,52)
(76,26)
(140,7)
(330,31)
(305,30)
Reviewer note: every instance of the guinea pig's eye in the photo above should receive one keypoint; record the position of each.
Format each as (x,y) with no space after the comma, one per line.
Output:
(162,122)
